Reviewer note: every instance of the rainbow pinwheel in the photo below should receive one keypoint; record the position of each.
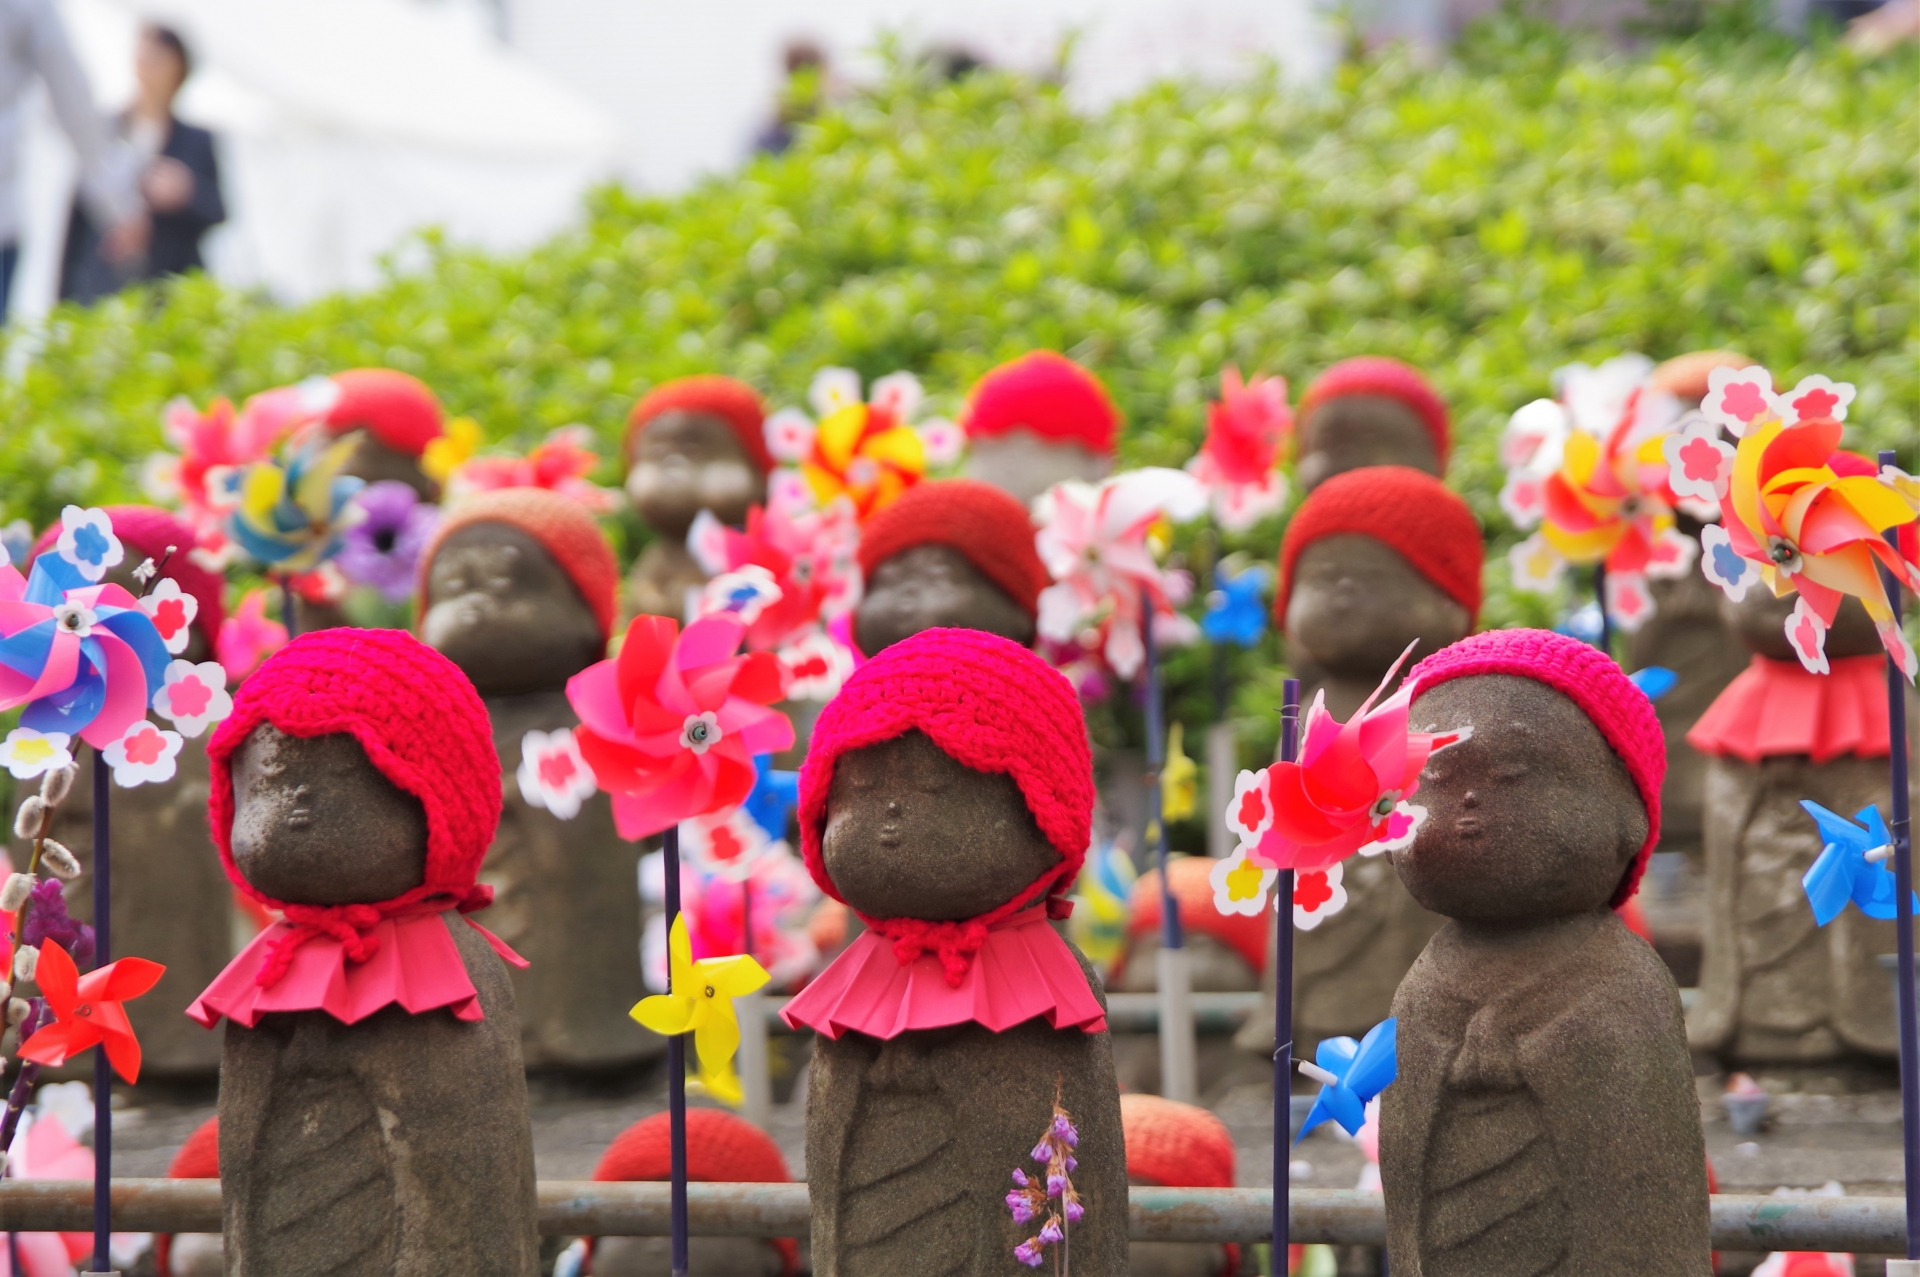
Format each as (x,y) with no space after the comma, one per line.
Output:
(1246,431)
(87,1010)
(1592,472)
(702,1004)
(1350,1074)
(1348,793)
(1798,513)
(1095,541)
(869,451)
(671,725)
(1855,863)
(289,514)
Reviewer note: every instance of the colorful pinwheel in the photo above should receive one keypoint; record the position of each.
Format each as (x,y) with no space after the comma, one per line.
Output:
(560,464)
(671,725)
(1350,1074)
(552,773)
(702,1004)
(775,794)
(1179,778)
(1094,540)
(868,451)
(1237,606)
(87,1010)
(1348,793)
(289,513)
(1098,923)
(1798,514)
(1856,863)
(215,444)
(1246,431)
(811,558)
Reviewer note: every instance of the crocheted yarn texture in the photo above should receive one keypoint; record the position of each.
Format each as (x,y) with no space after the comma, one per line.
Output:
(147,531)
(1245,934)
(419,721)
(988,703)
(1590,679)
(1390,379)
(721,1148)
(987,525)
(734,402)
(398,410)
(1175,1145)
(562,527)
(1048,394)
(1410,510)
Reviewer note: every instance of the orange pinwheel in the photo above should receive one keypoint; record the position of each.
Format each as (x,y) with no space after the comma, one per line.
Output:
(87,1011)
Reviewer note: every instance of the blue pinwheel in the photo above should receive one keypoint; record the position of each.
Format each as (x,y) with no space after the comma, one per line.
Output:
(1855,864)
(774,795)
(1350,1073)
(1654,681)
(1237,607)
(291,515)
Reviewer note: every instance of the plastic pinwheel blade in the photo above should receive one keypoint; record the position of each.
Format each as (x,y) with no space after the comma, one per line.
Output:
(1377,1063)
(1843,870)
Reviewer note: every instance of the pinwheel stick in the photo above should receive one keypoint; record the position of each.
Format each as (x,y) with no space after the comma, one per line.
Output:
(102,1070)
(1178,1075)
(676,1069)
(1901,827)
(286,605)
(1600,598)
(1283,999)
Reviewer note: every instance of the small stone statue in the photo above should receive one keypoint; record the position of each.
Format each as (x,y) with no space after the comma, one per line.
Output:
(1369,411)
(1774,987)
(519,589)
(399,416)
(693,444)
(1374,559)
(1544,1118)
(720,1147)
(1036,421)
(1174,1145)
(955,552)
(948,799)
(373,1104)
(171,903)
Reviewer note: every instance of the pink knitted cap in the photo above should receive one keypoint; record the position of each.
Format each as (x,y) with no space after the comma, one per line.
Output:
(1590,679)
(147,531)
(416,716)
(988,703)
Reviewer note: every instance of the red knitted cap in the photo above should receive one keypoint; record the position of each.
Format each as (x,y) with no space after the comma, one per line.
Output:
(1378,375)
(987,525)
(989,704)
(721,1148)
(1175,1145)
(733,401)
(393,407)
(1245,934)
(1423,520)
(147,531)
(561,526)
(1048,394)
(413,712)
(1590,679)
(199,1157)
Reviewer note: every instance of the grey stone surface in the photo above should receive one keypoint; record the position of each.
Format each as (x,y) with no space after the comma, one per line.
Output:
(931,585)
(375,461)
(506,613)
(1544,1119)
(1351,431)
(1026,465)
(683,463)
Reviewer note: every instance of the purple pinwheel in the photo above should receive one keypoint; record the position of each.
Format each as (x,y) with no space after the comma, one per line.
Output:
(383,549)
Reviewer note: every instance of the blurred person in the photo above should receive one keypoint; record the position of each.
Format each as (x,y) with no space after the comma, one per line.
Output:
(179,181)
(33,42)
(803,92)
(1884,29)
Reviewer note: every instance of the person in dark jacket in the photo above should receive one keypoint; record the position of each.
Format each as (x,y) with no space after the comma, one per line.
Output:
(180,182)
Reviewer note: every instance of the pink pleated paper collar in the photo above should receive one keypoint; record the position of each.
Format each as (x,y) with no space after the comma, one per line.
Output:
(414,965)
(1023,969)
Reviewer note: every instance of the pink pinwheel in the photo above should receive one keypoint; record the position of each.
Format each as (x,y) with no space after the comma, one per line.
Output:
(561,465)
(1348,793)
(1245,432)
(671,725)
(810,558)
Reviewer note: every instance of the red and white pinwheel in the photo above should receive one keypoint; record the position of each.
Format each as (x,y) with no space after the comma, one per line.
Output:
(1347,793)
(671,725)
(1238,461)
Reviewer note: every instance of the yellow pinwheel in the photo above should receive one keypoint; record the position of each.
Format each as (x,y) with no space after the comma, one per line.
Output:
(701,1003)
(447,453)
(1178,779)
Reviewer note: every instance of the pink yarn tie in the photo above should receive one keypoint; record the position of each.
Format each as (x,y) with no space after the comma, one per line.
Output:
(955,943)
(352,926)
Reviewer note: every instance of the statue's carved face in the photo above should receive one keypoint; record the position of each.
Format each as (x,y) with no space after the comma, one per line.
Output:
(685,462)
(1026,464)
(1362,430)
(1356,604)
(506,613)
(925,586)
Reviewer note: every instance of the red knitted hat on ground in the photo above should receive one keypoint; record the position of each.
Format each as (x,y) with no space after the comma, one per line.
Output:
(1048,394)
(1245,934)
(1175,1145)
(147,531)
(1410,510)
(1590,679)
(419,721)
(1389,378)
(734,402)
(393,407)
(198,1158)
(562,527)
(721,1148)
(989,704)
(990,527)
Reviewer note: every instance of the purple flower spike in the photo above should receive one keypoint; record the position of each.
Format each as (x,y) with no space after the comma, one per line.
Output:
(1042,1153)
(1056,1185)
(1050,1232)
(1072,1165)
(1064,1132)
(1020,1177)
(47,920)
(1028,1253)
(1020,1207)
(383,549)
(1074,1210)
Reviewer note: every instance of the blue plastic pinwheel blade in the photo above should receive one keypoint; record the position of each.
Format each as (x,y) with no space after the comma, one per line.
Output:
(1336,1055)
(1378,1062)
(27,651)
(1654,681)
(1829,884)
(51,578)
(1836,829)
(1320,1114)
(73,707)
(136,629)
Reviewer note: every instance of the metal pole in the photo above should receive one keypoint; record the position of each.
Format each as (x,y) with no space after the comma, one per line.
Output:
(1600,597)
(1901,827)
(286,607)
(676,1069)
(1179,1078)
(1283,1002)
(102,1070)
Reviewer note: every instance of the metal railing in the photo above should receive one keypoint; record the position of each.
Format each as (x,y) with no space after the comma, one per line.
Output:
(569,1208)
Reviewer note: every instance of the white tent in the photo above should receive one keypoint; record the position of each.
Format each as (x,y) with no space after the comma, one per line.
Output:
(343,125)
